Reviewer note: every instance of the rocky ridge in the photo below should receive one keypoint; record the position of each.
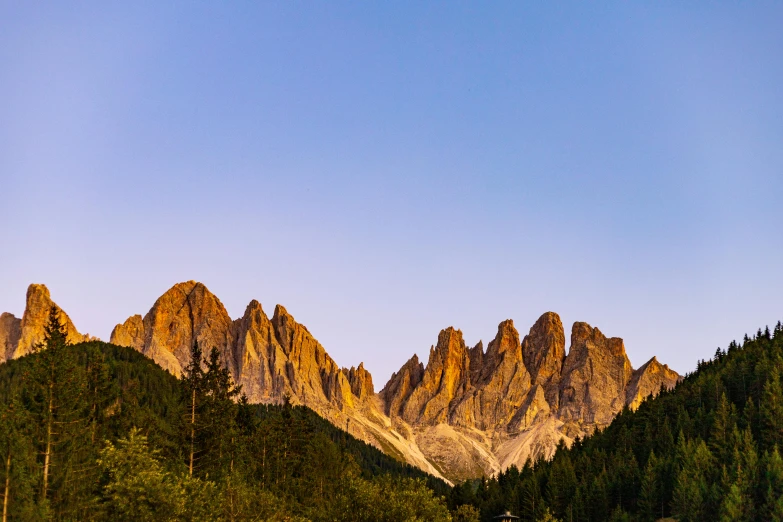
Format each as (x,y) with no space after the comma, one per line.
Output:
(467,412)
(475,412)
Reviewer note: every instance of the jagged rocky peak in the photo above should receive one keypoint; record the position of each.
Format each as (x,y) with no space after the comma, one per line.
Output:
(504,349)
(497,391)
(35,318)
(130,333)
(594,378)
(185,313)
(285,327)
(647,382)
(476,356)
(543,348)
(401,385)
(360,381)
(257,361)
(445,376)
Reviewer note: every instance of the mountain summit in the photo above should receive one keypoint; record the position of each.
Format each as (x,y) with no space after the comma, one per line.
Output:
(19,337)
(468,412)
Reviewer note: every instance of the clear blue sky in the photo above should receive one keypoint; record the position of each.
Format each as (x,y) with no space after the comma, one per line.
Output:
(385,170)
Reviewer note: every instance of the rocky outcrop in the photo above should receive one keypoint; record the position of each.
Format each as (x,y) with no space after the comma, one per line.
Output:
(314,378)
(10,332)
(595,375)
(518,399)
(543,350)
(258,361)
(445,377)
(34,320)
(360,381)
(500,386)
(130,333)
(647,382)
(187,313)
(400,386)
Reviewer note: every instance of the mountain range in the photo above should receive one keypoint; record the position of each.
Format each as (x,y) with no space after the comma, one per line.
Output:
(467,412)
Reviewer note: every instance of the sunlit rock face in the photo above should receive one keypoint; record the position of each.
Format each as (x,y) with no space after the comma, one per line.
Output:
(130,333)
(468,412)
(648,380)
(595,375)
(516,400)
(19,337)
(10,332)
(186,313)
(543,350)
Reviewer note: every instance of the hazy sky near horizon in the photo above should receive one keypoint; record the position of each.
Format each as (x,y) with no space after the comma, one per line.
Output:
(386,170)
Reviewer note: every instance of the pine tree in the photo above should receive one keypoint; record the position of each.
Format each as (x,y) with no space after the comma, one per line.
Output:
(723,427)
(53,392)
(772,509)
(561,484)
(692,493)
(18,459)
(219,432)
(738,504)
(650,507)
(193,388)
(771,408)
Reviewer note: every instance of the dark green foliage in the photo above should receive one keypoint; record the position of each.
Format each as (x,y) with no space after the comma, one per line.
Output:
(123,436)
(707,450)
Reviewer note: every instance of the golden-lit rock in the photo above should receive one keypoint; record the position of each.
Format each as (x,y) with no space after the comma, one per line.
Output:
(257,360)
(35,318)
(647,382)
(10,332)
(400,386)
(543,350)
(500,385)
(445,377)
(187,312)
(595,375)
(360,381)
(130,333)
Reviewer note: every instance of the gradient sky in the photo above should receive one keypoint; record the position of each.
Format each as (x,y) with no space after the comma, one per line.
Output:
(385,170)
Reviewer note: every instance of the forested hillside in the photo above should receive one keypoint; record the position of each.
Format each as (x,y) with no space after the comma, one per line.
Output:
(708,450)
(99,432)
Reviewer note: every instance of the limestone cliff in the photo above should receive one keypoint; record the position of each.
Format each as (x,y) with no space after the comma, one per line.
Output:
(360,381)
(500,384)
(19,337)
(10,332)
(130,333)
(187,312)
(445,378)
(595,375)
(543,350)
(647,381)
(400,386)
(473,412)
